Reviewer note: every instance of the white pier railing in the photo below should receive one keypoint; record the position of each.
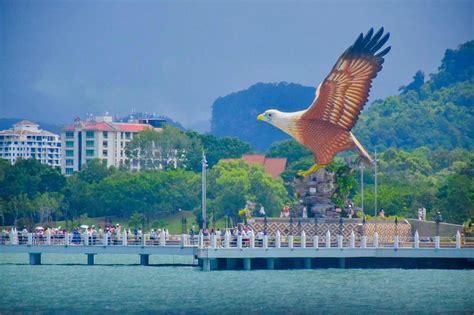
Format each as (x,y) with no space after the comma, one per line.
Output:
(250,241)
(245,240)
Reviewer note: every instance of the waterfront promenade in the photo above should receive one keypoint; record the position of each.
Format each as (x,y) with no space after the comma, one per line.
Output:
(252,251)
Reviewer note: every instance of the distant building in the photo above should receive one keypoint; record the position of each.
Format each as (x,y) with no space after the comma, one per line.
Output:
(273,166)
(101,139)
(26,140)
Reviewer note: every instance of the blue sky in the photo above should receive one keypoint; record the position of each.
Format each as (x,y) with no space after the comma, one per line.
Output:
(62,59)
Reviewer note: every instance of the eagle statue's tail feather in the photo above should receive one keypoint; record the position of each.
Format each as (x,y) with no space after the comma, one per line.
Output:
(364,155)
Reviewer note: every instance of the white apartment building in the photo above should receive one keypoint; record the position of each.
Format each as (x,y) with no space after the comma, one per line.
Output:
(101,139)
(26,140)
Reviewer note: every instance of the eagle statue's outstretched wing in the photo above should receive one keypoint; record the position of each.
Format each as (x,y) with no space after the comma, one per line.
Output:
(344,92)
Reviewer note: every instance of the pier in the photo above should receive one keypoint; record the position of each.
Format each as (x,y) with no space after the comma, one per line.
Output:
(230,252)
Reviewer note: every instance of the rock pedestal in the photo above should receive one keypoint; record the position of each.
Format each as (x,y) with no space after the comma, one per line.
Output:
(315,191)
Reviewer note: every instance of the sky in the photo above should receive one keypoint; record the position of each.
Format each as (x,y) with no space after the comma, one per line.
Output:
(64,59)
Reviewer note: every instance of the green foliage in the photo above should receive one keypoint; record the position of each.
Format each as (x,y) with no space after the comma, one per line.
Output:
(136,220)
(435,179)
(435,114)
(456,66)
(345,181)
(149,193)
(233,183)
(216,149)
(95,171)
(47,206)
(165,150)
(455,197)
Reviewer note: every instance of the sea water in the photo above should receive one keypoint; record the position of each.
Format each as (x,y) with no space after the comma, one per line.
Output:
(64,284)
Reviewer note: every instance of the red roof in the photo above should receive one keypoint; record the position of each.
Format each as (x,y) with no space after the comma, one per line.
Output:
(108,126)
(254,158)
(133,127)
(90,125)
(273,166)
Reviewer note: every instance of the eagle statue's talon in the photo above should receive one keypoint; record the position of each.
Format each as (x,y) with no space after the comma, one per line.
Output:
(311,170)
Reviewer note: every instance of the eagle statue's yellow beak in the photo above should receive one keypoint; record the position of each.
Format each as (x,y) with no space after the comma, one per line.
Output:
(260,117)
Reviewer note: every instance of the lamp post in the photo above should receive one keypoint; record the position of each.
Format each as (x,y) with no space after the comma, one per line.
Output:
(203,189)
(316,226)
(375,182)
(439,219)
(184,223)
(363,225)
(340,225)
(362,186)
(265,223)
(396,226)
(291,224)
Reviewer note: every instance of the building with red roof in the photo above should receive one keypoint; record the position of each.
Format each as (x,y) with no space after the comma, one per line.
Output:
(101,139)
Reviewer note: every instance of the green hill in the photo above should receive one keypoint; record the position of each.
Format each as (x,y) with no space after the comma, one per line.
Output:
(436,113)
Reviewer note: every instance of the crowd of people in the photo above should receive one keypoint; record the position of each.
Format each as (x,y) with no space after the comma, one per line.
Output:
(78,234)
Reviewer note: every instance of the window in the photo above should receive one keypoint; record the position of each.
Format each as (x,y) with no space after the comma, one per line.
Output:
(127,135)
(105,144)
(70,153)
(69,144)
(89,134)
(89,152)
(89,143)
(105,134)
(69,134)
(69,162)
(69,171)
(105,152)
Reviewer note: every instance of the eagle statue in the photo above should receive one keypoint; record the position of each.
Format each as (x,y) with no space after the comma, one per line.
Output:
(325,126)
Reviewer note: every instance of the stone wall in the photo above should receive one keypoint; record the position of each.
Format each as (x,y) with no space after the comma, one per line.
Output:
(386,229)
(428,228)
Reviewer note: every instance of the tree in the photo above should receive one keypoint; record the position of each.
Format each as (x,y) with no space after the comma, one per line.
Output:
(94,171)
(215,148)
(416,84)
(233,183)
(20,206)
(46,205)
(456,195)
(151,150)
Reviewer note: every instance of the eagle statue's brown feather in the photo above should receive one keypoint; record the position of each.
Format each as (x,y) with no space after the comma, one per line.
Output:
(325,127)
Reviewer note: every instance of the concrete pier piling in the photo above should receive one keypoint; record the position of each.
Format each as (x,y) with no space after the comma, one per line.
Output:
(247,264)
(270,263)
(90,259)
(206,264)
(144,259)
(231,263)
(35,258)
